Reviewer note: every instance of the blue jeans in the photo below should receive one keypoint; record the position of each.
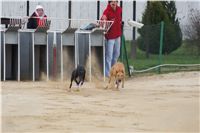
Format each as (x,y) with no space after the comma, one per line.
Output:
(112,53)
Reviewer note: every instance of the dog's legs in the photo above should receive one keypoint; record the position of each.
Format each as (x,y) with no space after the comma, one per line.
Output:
(77,83)
(110,82)
(109,79)
(83,80)
(123,82)
(107,86)
(117,84)
(71,83)
(80,83)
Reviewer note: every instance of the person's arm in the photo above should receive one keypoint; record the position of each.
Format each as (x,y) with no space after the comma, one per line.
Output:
(104,18)
(32,22)
(105,15)
(29,24)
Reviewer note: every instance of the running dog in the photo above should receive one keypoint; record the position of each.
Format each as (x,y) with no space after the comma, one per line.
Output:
(78,75)
(117,76)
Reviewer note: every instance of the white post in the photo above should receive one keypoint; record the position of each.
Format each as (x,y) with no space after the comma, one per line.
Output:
(33,50)
(47,50)
(0,55)
(76,49)
(104,65)
(4,56)
(61,56)
(90,59)
(18,39)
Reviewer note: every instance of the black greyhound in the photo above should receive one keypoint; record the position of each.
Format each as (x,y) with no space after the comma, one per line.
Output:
(78,75)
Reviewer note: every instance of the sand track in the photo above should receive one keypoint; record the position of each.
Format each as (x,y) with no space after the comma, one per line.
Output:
(166,102)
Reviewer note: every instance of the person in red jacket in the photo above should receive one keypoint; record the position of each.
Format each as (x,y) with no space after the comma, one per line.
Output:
(38,18)
(112,13)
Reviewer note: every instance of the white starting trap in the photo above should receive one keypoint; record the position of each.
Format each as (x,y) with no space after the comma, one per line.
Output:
(90,47)
(35,48)
(38,46)
(21,48)
(40,49)
(10,49)
(75,46)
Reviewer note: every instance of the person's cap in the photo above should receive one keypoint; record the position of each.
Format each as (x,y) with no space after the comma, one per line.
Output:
(39,7)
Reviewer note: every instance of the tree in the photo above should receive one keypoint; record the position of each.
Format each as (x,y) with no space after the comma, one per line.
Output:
(155,12)
(192,31)
(170,8)
(173,34)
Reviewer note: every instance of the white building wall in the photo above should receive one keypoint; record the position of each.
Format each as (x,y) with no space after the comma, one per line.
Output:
(13,8)
(87,10)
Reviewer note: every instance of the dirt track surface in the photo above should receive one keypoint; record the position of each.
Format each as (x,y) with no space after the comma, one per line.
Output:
(166,102)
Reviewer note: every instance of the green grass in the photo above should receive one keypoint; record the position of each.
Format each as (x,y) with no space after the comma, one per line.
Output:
(180,56)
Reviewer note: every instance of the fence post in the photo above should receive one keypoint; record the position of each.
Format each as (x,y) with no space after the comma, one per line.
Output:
(161,44)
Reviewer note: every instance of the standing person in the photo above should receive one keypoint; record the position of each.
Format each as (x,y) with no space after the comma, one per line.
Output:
(112,13)
(38,18)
